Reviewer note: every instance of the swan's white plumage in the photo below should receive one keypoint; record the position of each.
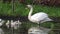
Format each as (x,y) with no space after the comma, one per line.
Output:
(38,17)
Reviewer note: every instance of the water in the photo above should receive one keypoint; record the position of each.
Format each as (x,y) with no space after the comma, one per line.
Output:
(23,28)
(1,31)
(8,31)
(38,30)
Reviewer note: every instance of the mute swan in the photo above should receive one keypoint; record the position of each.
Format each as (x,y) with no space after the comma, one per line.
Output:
(37,30)
(38,17)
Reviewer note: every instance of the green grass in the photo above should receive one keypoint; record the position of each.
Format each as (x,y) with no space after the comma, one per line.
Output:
(6,9)
(51,11)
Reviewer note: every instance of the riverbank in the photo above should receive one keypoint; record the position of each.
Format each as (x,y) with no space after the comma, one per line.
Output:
(25,18)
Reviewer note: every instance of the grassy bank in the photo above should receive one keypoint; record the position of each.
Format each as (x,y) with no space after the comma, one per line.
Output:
(6,9)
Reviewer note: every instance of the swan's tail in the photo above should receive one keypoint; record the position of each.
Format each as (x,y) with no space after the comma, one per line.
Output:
(48,19)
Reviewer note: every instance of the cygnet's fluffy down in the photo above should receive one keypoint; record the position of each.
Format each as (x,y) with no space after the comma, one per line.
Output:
(1,22)
(15,24)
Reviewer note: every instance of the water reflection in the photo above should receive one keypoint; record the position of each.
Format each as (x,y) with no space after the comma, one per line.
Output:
(1,31)
(38,30)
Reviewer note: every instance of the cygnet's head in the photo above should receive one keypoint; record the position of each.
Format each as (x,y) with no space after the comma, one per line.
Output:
(0,19)
(29,6)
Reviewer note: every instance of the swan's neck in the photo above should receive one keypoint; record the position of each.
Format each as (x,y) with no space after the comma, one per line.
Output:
(30,13)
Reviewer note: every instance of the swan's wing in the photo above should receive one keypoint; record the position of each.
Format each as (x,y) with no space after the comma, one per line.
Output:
(39,16)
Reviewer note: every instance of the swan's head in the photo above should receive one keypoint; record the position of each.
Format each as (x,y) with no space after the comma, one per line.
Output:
(8,21)
(29,6)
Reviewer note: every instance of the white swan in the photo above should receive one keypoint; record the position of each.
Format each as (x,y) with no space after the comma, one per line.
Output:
(38,17)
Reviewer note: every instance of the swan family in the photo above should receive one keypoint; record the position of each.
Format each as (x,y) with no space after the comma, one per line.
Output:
(38,18)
